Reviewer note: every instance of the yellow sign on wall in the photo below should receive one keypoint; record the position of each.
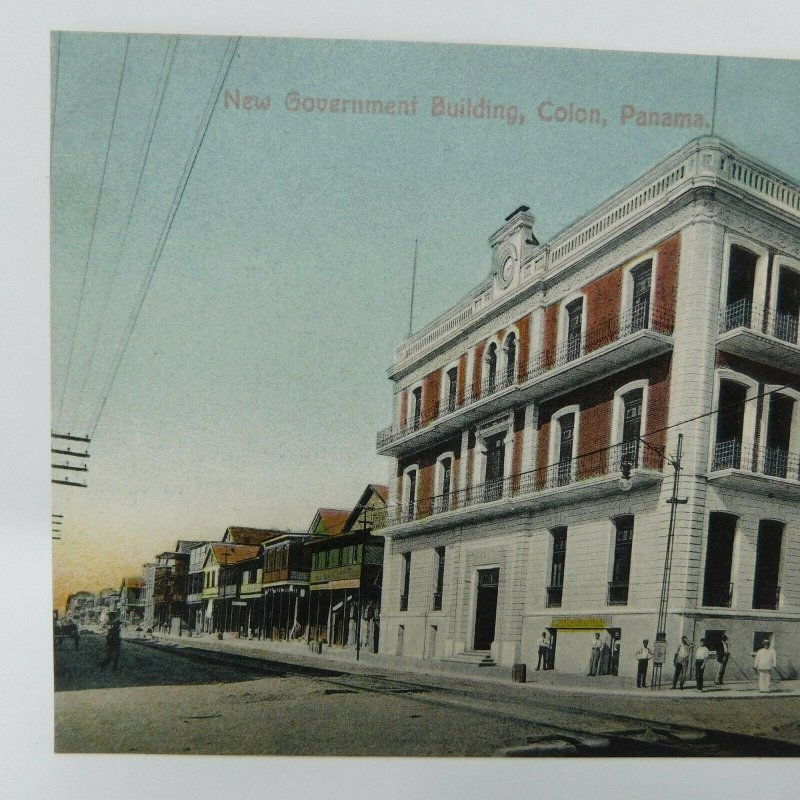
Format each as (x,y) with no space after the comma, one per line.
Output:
(580,623)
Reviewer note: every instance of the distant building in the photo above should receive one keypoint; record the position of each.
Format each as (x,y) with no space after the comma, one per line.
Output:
(534,423)
(131,600)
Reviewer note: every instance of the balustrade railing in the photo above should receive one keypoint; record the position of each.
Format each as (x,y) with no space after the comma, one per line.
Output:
(771,461)
(635,319)
(766,595)
(599,463)
(745,314)
(617,593)
(554,596)
(717,595)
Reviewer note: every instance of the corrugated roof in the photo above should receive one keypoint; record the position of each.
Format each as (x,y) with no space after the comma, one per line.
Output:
(234,553)
(240,535)
(330,521)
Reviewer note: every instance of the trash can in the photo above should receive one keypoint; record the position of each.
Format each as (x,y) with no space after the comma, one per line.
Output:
(519,673)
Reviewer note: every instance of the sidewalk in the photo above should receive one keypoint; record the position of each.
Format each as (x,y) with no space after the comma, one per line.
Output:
(338,658)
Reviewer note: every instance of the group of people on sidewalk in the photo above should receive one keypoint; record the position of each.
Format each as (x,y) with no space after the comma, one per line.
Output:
(765,660)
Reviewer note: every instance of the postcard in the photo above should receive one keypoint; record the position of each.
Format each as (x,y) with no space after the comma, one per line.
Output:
(416,399)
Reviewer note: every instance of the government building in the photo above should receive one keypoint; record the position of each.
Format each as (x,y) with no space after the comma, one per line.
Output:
(539,426)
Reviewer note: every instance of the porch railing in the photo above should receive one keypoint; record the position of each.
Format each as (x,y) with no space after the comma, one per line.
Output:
(770,461)
(745,314)
(599,463)
(635,319)
(766,595)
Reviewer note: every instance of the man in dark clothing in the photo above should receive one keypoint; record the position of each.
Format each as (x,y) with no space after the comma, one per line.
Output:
(113,645)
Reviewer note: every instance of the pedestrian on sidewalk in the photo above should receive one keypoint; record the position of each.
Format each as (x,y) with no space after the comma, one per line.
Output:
(594,659)
(643,656)
(681,662)
(766,660)
(544,651)
(113,645)
(723,655)
(700,657)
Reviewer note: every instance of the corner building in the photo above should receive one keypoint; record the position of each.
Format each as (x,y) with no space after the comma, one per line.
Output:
(672,308)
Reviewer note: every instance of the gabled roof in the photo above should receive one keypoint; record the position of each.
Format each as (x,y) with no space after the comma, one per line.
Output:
(185,545)
(228,554)
(329,521)
(373,497)
(239,535)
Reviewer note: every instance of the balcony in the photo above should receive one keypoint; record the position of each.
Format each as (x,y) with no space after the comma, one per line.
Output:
(437,601)
(745,467)
(617,593)
(766,596)
(717,595)
(554,596)
(588,476)
(760,334)
(634,337)
(404,602)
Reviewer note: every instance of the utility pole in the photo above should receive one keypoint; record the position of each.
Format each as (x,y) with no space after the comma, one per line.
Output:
(63,450)
(661,634)
(413,284)
(360,583)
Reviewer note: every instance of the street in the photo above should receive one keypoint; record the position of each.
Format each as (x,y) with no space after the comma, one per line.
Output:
(187,700)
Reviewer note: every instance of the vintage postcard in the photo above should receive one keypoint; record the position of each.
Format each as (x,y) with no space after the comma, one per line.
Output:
(423,399)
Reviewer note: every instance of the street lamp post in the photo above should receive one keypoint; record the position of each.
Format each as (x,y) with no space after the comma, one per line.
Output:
(224,552)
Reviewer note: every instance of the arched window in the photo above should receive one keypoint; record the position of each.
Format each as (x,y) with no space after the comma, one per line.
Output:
(491,368)
(510,349)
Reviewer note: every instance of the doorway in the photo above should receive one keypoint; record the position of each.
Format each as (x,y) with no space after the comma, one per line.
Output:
(486,608)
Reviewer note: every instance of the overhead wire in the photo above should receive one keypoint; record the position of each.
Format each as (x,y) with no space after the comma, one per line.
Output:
(158,99)
(94,228)
(227,59)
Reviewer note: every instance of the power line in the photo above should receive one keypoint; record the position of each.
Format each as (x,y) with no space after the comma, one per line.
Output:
(94,227)
(158,98)
(54,106)
(230,52)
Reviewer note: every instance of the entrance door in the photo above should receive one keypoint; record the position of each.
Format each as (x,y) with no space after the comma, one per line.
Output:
(495,466)
(486,608)
(551,656)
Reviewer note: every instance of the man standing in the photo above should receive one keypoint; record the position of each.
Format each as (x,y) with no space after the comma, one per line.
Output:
(681,661)
(544,651)
(643,655)
(766,660)
(594,660)
(700,657)
(723,654)
(113,644)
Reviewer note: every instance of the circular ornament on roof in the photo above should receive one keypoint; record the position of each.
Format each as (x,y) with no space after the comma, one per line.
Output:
(506,266)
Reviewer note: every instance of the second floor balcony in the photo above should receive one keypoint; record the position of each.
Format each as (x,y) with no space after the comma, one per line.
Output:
(635,336)
(590,475)
(760,334)
(744,466)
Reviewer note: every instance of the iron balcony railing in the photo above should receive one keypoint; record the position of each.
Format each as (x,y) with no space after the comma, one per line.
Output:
(554,596)
(744,314)
(404,602)
(617,593)
(717,595)
(635,319)
(766,595)
(597,464)
(771,461)
(437,601)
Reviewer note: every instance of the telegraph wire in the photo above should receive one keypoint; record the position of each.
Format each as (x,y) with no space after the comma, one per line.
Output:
(94,227)
(158,98)
(222,74)
(57,53)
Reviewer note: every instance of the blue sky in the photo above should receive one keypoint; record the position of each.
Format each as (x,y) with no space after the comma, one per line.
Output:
(255,379)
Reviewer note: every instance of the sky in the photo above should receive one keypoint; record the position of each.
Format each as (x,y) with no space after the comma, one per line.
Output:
(254,381)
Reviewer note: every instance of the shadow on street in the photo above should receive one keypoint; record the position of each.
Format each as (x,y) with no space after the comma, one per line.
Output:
(139,665)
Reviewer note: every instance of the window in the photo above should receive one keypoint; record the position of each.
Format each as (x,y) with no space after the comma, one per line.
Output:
(759,637)
(741,284)
(631,426)
(452,389)
(787,306)
(322,558)
(347,556)
(333,557)
(405,581)
(766,591)
(557,562)
(410,495)
(621,568)
(779,432)
(566,431)
(495,466)
(510,350)
(443,484)
(491,368)
(416,398)
(574,311)
(641,276)
(730,425)
(717,586)
(357,553)
(439,585)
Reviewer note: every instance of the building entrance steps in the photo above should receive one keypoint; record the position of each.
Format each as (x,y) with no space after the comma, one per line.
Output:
(297,652)
(476,658)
